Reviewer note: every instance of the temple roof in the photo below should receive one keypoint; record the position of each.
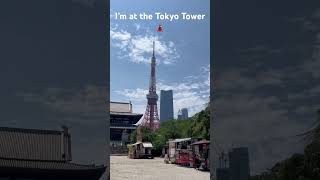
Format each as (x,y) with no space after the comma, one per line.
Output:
(34,144)
(35,152)
(121,107)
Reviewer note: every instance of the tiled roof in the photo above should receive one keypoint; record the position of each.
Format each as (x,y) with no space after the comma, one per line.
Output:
(120,107)
(53,165)
(32,144)
(116,118)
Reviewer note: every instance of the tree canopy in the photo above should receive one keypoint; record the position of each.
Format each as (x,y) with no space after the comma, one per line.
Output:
(196,126)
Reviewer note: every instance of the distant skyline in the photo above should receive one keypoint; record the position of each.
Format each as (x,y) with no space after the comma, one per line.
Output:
(182,52)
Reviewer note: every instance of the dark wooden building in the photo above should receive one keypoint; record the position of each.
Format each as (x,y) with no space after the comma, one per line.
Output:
(122,123)
(33,154)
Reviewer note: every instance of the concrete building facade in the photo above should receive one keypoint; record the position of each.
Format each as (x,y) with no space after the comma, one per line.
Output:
(166,105)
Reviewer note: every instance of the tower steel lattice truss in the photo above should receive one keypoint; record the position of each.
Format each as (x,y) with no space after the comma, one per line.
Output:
(151,117)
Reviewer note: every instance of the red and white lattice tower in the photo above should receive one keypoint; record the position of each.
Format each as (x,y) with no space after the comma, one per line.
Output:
(151,117)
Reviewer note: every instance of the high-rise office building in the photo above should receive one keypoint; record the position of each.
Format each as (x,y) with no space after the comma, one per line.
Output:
(166,105)
(239,164)
(184,113)
(179,115)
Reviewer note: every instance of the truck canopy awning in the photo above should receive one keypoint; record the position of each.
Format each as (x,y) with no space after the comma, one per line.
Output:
(201,142)
(147,145)
(181,140)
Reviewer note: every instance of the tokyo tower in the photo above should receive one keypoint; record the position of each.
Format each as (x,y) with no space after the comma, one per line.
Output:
(151,118)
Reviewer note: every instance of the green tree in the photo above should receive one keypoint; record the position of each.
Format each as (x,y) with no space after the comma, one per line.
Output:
(196,126)
(201,124)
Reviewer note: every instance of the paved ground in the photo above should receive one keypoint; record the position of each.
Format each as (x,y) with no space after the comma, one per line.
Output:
(123,168)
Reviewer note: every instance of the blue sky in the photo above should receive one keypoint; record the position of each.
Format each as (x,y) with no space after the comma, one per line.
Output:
(182,52)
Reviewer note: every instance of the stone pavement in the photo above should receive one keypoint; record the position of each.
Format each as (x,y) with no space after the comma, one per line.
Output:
(123,168)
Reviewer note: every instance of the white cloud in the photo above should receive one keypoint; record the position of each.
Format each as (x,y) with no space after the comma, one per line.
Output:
(134,94)
(137,26)
(138,48)
(122,38)
(205,69)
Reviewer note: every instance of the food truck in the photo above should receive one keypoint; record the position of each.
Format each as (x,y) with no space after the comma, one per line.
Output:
(180,151)
(140,150)
(201,151)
